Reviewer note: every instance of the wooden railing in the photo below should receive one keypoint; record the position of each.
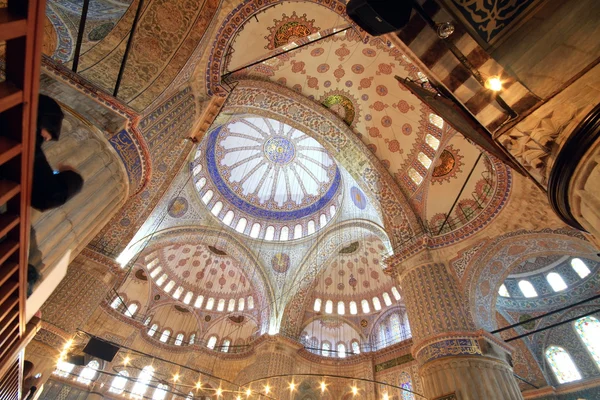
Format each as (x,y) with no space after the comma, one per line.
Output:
(21,28)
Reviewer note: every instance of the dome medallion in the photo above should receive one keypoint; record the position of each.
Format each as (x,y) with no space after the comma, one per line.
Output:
(278,182)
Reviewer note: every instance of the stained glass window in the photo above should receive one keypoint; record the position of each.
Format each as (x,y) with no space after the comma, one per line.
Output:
(329,306)
(386,299)
(225,346)
(562,365)
(365,306)
(503,291)
(210,303)
(580,267)
(221,305)
(118,383)
(396,293)
(250,303)
(130,312)
(405,383)
(436,120)
(212,341)
(152,330)
(188,297)
(116,302)
(527,289)
(382,336)
(415,176)
(144,378)
(165,336)
(231,305)
(192,338)
(160,392)
(376,303)
(556,281)
(424,160)
(325,349)
(588,329)
(395,327)
(353,308)
(199,301)
(179,339)
(241,303)
(88,373)
(317,306)
(341,350)
(63,369)
(432,141)
(341,308)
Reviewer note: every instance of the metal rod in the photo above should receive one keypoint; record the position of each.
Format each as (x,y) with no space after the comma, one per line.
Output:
(128,47)
(525,380)
(553,325)
(546,314)
(84,13)
(460,193)
(224,76)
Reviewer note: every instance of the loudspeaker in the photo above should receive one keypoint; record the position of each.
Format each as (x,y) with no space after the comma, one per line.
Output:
(379,16)
(102,350)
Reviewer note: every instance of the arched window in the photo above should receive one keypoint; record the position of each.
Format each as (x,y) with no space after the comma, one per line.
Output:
(341,350)
(241,225)
(405,383)
(217,208)
(382,336)
(396,293)
(250,303)
(241,304)
(432,141)
(341,308)
(116,302)
(317,306)
(199,301)
(310,227)
(298,231)
(588,329)
(355,347)
(188,297)
(200,184)
(212,341)
(502,291)
(152,330)
(562,365)
(63,369)
(118,383)
(255,231)
(147,321)
(178,292)
(225,345)
(376,304)
(285,233)
(207,196)
(192,338)
(221,305)
(353,308)
(436,120)
(395,327)
(415,176)
(165,336)
(365,306)
(210,303)
(89,372)
(169,286)
(231,305)
(179,339)
(386,299)
(162,279)
(160,392)
(155,273)
(580,267)
(270,233)
(406,325)
(556,281)
(332,211)
(143,379)
(329,306)
(228,218)
(326,349)
(527,289)
(130,312)
(424,160)
(322,220)
(197,169)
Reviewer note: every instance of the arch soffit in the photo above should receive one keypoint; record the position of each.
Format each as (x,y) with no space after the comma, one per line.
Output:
(314,263)
(400,309)
(229,29)
(492,264)
(265,298)
(274,101)
(170,303)
(222,318)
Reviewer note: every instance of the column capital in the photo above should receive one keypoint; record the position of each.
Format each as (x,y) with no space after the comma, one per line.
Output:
(400,263)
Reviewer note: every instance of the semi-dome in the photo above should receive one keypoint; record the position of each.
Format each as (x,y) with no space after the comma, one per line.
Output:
(267,179)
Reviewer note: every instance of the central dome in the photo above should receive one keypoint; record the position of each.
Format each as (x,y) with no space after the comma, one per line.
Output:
(279,182)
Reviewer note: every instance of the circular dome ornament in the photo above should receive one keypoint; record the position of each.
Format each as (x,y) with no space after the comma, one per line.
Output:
(279,150)
(178,207)
(280,262)
(358,198)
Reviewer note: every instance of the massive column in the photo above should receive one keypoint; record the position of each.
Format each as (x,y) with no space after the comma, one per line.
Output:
(454,356)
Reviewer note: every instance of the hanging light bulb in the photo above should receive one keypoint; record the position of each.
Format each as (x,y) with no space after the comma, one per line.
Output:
(267,389)
(385,396)
(238,397)
(248,392)
(198,385)
(175,377)
(126,360)
(354,390)
(292,386)
(219,392)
